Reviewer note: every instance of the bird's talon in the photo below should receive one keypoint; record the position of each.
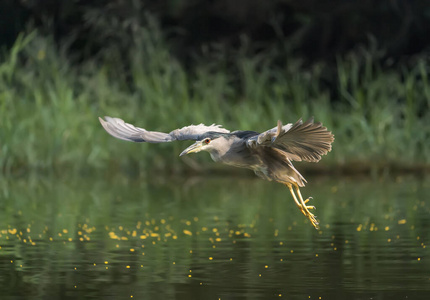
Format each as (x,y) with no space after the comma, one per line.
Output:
(313,220)
(307,200)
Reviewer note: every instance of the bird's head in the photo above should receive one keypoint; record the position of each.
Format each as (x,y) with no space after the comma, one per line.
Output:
(210,144)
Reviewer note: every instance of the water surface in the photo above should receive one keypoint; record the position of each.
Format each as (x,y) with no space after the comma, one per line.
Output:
(213,238)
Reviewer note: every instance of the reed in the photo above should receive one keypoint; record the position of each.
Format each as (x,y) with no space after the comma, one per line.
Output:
(49,105)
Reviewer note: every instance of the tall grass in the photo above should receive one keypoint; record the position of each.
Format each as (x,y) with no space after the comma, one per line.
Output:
(49,106)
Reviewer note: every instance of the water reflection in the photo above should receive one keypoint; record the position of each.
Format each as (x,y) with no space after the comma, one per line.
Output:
(211,238)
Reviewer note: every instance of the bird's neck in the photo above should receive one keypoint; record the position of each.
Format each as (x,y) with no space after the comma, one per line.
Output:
(216,155)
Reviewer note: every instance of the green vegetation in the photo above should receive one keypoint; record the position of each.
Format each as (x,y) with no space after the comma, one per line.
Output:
(49,105)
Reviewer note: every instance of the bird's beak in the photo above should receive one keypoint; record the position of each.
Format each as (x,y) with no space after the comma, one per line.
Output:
(196,147)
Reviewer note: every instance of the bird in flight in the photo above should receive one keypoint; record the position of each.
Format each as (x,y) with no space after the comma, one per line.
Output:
(269,154)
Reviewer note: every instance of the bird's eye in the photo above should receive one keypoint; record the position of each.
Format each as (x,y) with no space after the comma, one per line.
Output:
(207,141)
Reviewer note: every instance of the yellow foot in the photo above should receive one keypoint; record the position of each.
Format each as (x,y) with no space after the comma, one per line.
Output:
(301,204)
(305,210)
(310,206)
(311,217)
(313,220)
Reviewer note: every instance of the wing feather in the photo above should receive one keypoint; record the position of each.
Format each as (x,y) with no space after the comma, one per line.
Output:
(306,141)
(119,129)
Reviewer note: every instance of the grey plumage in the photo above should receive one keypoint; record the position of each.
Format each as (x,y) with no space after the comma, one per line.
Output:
(301,141)
(268,154)
(128,132)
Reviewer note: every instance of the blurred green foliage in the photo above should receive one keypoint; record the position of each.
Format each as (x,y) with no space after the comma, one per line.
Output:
(49,106)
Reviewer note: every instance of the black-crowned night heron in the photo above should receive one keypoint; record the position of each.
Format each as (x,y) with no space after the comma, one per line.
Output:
(268,154)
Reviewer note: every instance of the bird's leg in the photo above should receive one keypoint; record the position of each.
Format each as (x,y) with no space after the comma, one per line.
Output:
(305,208)
(290,187)
(302,204)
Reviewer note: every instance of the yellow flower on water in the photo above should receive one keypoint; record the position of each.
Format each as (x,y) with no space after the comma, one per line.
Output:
(187,232)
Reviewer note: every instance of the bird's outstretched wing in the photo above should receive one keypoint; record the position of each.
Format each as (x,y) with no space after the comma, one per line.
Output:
(124,131)
(300,141)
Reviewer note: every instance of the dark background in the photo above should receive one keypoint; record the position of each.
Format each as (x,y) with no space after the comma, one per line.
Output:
(314,30)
